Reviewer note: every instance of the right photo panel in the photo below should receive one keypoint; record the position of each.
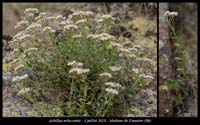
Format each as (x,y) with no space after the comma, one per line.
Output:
(178,60)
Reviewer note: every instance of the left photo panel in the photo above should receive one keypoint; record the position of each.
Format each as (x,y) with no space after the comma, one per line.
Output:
(79,60)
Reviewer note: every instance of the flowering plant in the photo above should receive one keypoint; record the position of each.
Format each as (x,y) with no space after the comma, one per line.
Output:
(91,72)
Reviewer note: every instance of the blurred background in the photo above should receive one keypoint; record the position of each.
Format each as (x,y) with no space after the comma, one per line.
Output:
(13,11)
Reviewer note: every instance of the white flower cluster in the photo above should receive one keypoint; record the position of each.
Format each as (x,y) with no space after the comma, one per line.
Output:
(135,70)
(74,63)
(88,13)
(81,14)
(31,49)
(77,36)
(104,17)
(145,59)
(79,70)
(107,16)
(81,21)
(21,36)
(106,74)
(70,26)
(48,30)
(132,49)
(112,91)
(113,84)
(42,15)
(76,68)
(66,22)
(168,13)
(31,10)
(146,76)
(17,78)
(115,68)
(21,24)
(132,55)
(102,36)
(124,50)
(114,44)
(50,18)
(15,50)
(34,26)
(59,17)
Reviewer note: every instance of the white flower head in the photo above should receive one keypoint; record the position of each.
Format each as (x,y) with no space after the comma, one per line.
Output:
(74,63)
(77,36)
(101,37)
(18,78)
(124,50)
(107,16)
(105,36)
(34,26)
(113,84)
(43,14)
(66,22)
(81,21)
(79,70)
(48,30)
(146,76)
(114,44)
(115,68)
(146,59)
(94,36)
(70,26)
(21,24)
(50,18)
(59,17)
(112,91)
(31,49)
(132,55)
(24,37)
(133,49)
(88,13)
(31,10)
(106,74)
(135,70)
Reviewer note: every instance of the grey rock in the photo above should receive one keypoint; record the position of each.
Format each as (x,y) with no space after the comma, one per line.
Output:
(7,104)
(22,111)
(8,77)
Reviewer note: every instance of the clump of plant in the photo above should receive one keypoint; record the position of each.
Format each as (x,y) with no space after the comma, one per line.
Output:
(91,72)
(175,87)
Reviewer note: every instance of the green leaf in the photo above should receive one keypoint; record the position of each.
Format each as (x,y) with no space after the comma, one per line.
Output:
(164,87)
(135,110)
(177,45)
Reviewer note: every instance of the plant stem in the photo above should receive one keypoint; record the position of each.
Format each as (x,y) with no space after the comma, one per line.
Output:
(107,107)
